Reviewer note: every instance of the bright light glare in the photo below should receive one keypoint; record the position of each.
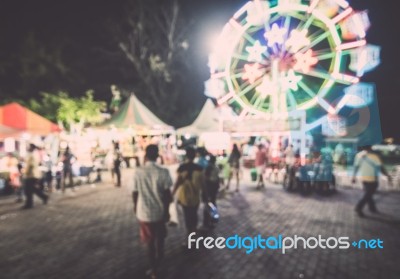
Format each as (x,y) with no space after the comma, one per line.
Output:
(276,35)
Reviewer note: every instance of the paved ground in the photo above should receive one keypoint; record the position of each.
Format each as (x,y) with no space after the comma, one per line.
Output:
(93,234)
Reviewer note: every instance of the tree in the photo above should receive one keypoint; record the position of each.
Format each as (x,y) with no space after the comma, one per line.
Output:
(78,112)
(48,105)
(156,46)
(89,110)
(32,66)
(73,113)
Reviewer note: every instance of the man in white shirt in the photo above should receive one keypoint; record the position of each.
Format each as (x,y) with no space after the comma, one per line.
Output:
(368,165)
(151,198)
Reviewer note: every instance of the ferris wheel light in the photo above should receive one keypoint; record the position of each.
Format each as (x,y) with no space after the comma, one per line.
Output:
(359,95)
(351,45)
(297,40)
(345,78)
(327,7)
(267,87)
(365,59)
(289,2)
(291,81)
(304,61)
(256,51)
(342,15)
(257,12)
(344,4)
(356,25)
(214,88)
(251,72)
(276,35)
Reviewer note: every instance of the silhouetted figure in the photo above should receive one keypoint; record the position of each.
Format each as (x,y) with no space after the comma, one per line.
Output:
(368,165)
(32,176)
(260,164)
(67,158)
(234,164)
(117,160)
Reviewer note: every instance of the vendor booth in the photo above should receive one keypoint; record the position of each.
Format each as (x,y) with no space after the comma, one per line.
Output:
(134,126)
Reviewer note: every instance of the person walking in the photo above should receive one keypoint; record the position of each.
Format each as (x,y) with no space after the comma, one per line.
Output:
(32,175)
(212,182)
(67,158)
(368,165)
(234,164)
(48,173)
(200,158)
(151,198)
(188,188)
(260,164)
(117,160)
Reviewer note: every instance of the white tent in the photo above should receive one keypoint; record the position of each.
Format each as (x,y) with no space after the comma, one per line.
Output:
(208,120)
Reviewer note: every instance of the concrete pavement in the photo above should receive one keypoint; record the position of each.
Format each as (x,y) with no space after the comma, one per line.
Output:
(93,234)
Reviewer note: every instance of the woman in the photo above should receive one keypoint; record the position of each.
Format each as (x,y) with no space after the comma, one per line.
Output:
(188,188)
(234,163)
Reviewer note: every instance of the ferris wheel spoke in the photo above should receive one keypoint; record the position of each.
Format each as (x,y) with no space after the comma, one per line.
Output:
(317,40)
(273,20)
(236,75)
(286,24)
(299,17)
(227,98)
(247,89)
(312,6)
(254,98)
(306,24)
(317,74)
(239,56)
(287,27)
(324,54)
(307,89)
(292,99)
(249,38)
(344,79)
(258,101)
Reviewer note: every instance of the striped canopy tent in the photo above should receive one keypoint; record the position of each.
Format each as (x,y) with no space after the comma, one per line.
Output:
(134,115)
(16,119)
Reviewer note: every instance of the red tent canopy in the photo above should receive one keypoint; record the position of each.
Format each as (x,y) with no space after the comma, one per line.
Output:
(6,132)
(18,117)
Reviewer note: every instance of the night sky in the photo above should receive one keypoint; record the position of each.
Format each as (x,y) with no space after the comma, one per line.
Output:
(80,24)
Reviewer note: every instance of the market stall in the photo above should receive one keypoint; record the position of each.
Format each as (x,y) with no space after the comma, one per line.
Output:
(134,126)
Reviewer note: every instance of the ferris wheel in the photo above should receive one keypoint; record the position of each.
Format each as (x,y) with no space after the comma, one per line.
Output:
(284,56)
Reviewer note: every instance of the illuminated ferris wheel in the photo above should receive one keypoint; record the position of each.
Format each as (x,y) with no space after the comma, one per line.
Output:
(283,56)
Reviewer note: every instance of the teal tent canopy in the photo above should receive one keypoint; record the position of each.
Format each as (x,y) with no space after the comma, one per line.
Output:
(133,114)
